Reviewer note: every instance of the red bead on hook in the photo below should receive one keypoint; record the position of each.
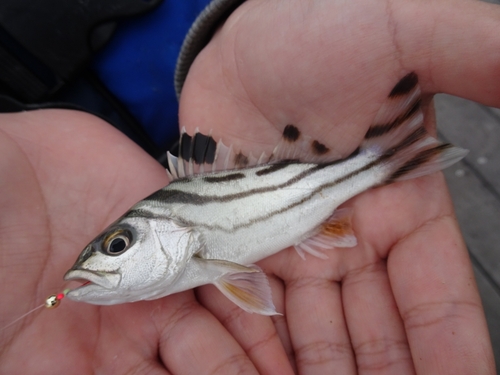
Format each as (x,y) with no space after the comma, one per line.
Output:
(53,300)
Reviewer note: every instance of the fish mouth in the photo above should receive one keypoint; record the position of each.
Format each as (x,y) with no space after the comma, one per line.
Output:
(106,280)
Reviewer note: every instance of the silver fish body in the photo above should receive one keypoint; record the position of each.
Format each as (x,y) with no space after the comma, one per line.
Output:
(239,216)
(246,215)
(211,227)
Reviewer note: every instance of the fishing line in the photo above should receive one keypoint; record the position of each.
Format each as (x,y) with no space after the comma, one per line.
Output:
(22,316)
(51,302)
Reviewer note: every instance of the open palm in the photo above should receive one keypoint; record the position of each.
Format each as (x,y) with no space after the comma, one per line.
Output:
(65,176)
(403,301)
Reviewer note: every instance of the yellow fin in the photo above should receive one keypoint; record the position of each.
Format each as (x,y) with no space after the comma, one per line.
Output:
(247,287)
(335,232)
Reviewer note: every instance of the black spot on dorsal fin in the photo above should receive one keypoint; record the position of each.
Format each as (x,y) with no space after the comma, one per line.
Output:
(379,130)
(319,148)
(198,148)
(240,160)
(211,151)
(203,150)
(185,150)
(291,133)
(405,85)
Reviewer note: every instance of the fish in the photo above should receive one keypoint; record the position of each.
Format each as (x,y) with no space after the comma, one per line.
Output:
(223,211)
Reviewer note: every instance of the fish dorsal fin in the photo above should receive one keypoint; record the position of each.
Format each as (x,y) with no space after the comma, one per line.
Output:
(294,145)
(399,115)
(201,154)
(398,135)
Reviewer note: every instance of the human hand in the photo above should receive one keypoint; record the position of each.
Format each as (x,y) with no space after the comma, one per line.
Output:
(404,300)
(64,177)
(89,175)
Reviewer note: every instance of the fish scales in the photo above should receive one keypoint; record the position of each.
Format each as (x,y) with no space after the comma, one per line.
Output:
(245,218)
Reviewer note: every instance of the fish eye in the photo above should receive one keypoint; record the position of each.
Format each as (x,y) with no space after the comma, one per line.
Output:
(118,242)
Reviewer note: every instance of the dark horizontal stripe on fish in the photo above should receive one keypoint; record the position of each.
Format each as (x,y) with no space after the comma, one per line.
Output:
(381,129)
(183,197)
(225,178)
(171,195)
(412,164)
(272,168)
(313,193)
(145,214)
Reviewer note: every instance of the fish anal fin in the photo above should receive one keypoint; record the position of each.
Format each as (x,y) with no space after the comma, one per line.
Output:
(335,232)
(339,228)
(310,247)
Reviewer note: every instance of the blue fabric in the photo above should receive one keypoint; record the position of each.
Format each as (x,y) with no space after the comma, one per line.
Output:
(138,65)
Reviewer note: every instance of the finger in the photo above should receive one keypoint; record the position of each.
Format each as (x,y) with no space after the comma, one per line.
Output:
(16,200)
(317,327)
(467,63)
(192,341)
(434,288)
(375,327)
(256,334)
(115,349)
(280,321)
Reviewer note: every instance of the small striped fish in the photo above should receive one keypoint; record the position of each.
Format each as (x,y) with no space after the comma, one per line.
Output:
(224,211)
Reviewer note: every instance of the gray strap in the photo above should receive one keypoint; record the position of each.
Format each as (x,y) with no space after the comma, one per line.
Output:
(199,35)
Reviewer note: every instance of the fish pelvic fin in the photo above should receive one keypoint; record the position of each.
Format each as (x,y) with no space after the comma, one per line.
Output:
(333,233)
(246,286)
(399,137)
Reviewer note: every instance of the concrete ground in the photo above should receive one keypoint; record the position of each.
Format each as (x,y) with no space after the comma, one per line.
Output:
(474,184)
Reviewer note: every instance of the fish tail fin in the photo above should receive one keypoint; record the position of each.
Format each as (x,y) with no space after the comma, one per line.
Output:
(398,135)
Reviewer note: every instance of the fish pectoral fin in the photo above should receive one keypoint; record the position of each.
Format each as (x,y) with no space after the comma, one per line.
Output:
(335,232)
(247,287)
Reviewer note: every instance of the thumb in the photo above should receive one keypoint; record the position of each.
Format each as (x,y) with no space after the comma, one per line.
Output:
(458,50)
